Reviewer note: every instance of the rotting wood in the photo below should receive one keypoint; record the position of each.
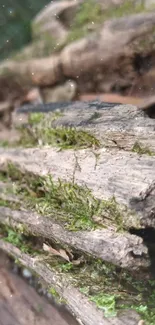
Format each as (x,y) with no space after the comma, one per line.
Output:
(114,125)
(123,250)
(84,310)
(126,176)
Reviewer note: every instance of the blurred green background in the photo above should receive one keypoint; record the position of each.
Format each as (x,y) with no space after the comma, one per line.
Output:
(15,18)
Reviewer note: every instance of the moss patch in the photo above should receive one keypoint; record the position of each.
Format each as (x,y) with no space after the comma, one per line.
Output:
(140,149)
(88,18)
(18,238)
(57,297)
(4,143)
(74,206)
(91,13)
(110,288)
(9,204)
(39,131)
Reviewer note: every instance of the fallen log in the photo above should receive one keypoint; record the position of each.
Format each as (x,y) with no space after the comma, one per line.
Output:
(126,176)
(123,250)
(114,125)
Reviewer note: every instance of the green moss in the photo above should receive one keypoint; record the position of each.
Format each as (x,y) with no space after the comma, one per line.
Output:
(53,292)
(41,118)
(111,289)
(35,118)
(4,143)
(74,206)
(56,296)
(14,236)
(88,12)
(106,302)
(91,13)
(9,204)
(137,147)
(40,132)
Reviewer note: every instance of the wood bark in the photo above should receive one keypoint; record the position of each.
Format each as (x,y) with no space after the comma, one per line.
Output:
(126,176)
(123,250)
(115,125)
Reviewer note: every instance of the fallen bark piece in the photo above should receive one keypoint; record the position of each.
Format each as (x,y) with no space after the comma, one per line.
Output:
(79,304)
(122,175)
(121,249)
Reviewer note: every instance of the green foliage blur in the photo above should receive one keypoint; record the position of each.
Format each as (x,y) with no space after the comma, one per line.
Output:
(15,27)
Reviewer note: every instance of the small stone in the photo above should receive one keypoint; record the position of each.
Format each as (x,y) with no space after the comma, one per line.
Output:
(26,273)
(49,296)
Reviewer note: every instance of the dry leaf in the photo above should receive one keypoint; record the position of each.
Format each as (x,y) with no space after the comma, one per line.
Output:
(60,252)
(68,251)
(64,254)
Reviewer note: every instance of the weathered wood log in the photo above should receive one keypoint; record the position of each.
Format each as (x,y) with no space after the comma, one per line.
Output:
(126,176)
(116,126)
(123,250)
(84,309)
(110,173)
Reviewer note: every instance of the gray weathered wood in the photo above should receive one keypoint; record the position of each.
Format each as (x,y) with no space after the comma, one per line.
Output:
(126,176)
(116,126)
(121,249)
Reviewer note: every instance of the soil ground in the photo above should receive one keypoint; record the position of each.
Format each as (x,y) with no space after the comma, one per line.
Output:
(20,304)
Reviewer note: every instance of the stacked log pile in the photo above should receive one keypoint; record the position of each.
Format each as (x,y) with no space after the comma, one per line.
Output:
(77,190)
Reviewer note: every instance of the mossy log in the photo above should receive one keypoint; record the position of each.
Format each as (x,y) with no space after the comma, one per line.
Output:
(114,125)
(72,188)
(84,310)
(110,170)
(123,250)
